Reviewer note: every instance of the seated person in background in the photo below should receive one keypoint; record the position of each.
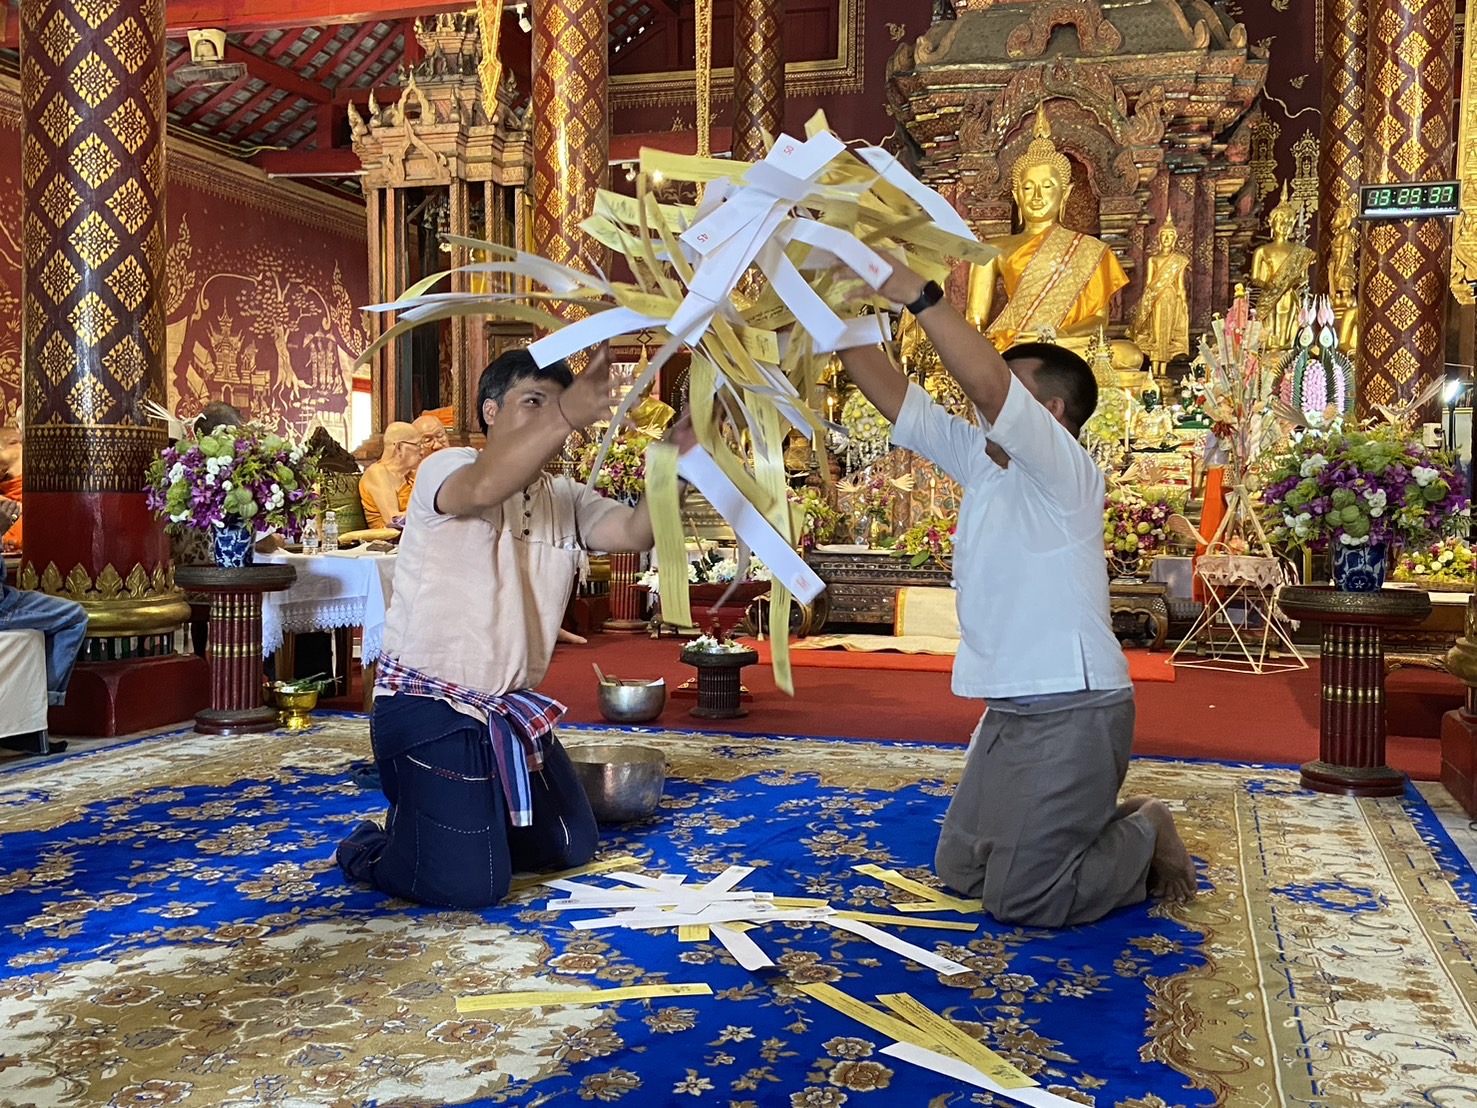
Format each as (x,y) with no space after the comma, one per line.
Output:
(10,483)
(385,486)
(432,432)
(215,415)
(64,622)
(478,785)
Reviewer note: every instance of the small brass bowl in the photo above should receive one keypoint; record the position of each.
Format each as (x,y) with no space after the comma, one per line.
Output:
(295,709)
(632,701)
(624,782)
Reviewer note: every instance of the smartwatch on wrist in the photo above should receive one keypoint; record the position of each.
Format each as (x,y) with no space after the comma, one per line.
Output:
(932,293)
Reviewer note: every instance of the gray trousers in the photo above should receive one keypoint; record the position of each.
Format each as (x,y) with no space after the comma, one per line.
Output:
(1031,829)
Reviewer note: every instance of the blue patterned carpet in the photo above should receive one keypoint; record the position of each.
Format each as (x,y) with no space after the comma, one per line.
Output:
(178,934)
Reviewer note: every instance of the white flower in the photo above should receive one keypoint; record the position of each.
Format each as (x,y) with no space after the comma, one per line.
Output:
(226,485)
(176,471)
(1377,500)
(1424,475)
(692,573)
(1350,540)
(1312,465)
(210,478)
(1301,525)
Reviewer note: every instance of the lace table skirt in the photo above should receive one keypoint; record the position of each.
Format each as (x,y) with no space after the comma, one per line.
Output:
(342,589)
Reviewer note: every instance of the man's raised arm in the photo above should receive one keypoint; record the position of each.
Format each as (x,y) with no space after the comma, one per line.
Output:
(872,371)
(969,357)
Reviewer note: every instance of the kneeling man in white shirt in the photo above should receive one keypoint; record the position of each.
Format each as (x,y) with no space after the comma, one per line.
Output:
(1035,828)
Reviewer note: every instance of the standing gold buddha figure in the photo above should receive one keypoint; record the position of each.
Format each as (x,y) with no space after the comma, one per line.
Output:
(1343,277)
(1280,270)
(1161,323)
(1059,282)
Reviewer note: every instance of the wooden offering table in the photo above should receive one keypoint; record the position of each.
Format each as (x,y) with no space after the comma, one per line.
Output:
(1351,756)
(718,688)
(235,652)
(862,584)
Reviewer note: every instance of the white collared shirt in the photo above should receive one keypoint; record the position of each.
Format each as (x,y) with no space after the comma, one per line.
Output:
(1028,551)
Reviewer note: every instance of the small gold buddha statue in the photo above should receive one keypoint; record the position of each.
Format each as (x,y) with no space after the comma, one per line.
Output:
(1280,270)
(1059,282)
(1343,277)
(1161,323)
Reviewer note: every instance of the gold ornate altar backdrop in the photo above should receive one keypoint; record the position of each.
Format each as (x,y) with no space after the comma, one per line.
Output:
(178,934)
(264,280)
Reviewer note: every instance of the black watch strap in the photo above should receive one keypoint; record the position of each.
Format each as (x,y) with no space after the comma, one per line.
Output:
(932,293)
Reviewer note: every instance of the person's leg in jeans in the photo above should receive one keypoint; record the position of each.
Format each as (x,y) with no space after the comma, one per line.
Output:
(64,622)
(563,834)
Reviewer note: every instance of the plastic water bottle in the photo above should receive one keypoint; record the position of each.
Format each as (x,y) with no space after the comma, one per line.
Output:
(330,531)
(310,537)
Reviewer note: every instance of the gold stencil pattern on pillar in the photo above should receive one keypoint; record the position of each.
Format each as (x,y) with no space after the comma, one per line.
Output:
(93,174)
(1410,47)
(571,142)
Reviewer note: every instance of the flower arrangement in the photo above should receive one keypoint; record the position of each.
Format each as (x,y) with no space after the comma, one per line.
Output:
(711,568)
(1317,378)
(1192,396)
(931,538)
(710,644)
(1361,487)
(820,520)
(235,475)
(1447,562)
(1135,525)
(869,435)
(623,476)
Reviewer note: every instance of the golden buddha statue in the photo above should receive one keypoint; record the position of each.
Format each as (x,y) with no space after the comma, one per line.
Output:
(1161,323)
(1343,277)
(1059,282)
(1280,270)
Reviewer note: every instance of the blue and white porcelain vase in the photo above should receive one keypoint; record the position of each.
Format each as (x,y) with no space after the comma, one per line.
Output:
(233,546)
(1359,568)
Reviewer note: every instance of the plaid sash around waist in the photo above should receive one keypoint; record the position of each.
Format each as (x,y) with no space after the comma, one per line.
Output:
(530,717)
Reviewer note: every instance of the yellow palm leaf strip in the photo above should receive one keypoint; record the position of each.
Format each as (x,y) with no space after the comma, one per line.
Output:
(666,527)
(865,1014)
(669,241)
(956,1042)
(685,167)
(769,469)
(646,209)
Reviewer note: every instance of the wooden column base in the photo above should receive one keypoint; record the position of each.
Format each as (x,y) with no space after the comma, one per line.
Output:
(1325,777)
(1459,758)
(105,699)
(244,722)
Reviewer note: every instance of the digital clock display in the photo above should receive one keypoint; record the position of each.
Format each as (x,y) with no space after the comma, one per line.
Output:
(1408,201)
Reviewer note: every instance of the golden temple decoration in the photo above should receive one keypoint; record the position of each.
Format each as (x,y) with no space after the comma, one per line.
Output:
(703,73)
(1305,179)
(1264,134)
(490,68)
(1161,323)
(1280,270)
(1464,234)
(139,603)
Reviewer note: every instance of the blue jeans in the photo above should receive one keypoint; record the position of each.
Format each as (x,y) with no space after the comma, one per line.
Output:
(447,838)
(65,625)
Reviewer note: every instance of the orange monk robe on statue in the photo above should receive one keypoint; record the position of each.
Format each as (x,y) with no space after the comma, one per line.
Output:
(1059,279)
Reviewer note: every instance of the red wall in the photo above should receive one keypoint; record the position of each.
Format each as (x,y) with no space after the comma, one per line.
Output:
(265,282)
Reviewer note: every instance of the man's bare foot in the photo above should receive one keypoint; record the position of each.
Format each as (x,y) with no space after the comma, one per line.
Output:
(570,636)
(1171,870)
(1130,806)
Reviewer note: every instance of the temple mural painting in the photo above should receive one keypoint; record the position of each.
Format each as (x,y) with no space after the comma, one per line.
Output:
(264,280)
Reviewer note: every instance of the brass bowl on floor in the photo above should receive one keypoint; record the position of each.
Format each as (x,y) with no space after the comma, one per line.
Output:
(294,709)
(632,701)
(624,782)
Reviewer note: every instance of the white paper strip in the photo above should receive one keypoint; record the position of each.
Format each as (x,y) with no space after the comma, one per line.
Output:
(742,211)
(963,1071)
(871,266)
(789,568)
(811,312)
(898,946)
(746,952)
(726,880)
(590,331)
(804,159)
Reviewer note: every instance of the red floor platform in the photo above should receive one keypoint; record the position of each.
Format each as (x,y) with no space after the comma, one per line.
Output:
(1201,714)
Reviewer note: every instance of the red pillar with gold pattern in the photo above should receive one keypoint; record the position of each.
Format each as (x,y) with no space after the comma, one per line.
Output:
(571,128)
(1408,91)
(92,167)
(758,75)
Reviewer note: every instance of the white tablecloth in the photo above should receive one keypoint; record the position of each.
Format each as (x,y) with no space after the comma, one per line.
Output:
(23,690)
(347,588)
